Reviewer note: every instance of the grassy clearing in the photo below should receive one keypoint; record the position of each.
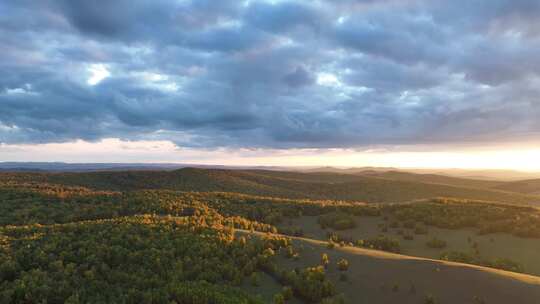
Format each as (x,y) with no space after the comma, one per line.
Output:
(380,277)
(492,246)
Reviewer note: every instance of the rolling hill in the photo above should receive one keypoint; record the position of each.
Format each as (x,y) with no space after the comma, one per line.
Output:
(530,186)
(72,244)
(478,174)
(388,187)
(433,179)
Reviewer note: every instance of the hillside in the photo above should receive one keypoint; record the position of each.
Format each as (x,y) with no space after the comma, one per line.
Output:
(382,277)
(530,186)
(390,187)
(477,174)
(432,179)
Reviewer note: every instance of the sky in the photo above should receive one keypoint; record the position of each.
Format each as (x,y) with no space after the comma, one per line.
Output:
(413,83)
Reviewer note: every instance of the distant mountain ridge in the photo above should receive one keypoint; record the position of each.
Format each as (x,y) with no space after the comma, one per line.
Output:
(479,174)
(84,167)
(433,179)
(487,174)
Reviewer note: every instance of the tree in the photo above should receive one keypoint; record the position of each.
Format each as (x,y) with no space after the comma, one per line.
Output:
(343,265)
(325,260)
(287,292)
(279,299)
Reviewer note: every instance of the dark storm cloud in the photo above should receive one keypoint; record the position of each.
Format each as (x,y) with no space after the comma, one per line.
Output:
(269,73)
(135,20)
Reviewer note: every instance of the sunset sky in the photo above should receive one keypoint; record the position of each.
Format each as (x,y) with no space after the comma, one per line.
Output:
(406,83)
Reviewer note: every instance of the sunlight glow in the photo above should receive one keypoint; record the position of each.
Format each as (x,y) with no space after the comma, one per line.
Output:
(117,150)
(98,73)
(327,79)
(157,81)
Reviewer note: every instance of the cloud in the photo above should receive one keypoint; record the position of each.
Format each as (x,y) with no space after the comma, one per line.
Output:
(269,74)
(298,78)
(284,16)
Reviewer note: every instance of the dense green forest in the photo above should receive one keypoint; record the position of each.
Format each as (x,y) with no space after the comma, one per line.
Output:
(61,244)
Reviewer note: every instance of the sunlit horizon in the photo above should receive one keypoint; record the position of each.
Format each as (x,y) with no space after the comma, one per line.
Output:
(407,84)
(113,150)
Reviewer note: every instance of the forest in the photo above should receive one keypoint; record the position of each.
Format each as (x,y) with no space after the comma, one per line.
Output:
(61,243)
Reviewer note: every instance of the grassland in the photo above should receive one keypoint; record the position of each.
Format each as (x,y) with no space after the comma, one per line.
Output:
(491,246)
(380,277)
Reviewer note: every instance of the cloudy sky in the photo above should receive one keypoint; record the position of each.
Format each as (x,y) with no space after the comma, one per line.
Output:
(342,82)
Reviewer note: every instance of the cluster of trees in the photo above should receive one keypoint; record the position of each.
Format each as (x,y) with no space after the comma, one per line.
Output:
(522,221)
(499,263)
(137,259)
(337,221)
(436,243)
(309,283)
(343,264)
(380,242)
